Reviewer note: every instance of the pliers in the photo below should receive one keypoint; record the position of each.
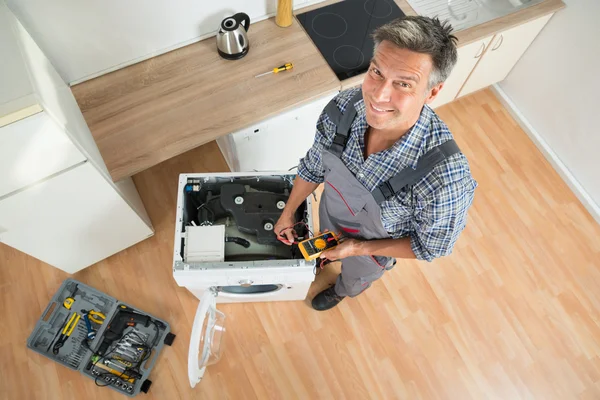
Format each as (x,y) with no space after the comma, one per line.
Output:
(94,316)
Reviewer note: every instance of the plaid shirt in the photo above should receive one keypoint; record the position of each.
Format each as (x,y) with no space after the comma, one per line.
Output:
(434,212)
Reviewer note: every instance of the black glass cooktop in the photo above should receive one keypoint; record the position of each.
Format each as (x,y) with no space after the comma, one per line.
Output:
(342,32)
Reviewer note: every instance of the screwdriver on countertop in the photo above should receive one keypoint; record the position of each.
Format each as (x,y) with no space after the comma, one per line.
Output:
(278,69)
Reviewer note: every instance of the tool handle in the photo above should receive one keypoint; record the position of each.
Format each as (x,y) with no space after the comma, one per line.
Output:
(96,316)
(91,334)
(59,343)
(72,327)
(283,68)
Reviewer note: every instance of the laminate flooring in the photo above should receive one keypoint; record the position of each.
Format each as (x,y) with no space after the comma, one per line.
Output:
(513,313)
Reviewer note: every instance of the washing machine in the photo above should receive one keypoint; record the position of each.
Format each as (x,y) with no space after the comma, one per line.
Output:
(225,239)
(226,250)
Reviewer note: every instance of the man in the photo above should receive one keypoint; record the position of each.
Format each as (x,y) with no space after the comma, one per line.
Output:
(395,183)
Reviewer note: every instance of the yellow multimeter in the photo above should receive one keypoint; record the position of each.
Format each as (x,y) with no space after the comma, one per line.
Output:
(313,247)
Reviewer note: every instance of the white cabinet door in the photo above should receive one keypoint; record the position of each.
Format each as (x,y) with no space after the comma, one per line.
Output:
(276,144)
(32,149)
(502,55)
(71,220)
(468,56)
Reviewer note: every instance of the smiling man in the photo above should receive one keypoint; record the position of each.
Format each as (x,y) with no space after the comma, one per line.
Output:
(395,182)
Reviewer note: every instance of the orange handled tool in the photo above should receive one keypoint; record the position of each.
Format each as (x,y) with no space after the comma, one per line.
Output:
(278,69)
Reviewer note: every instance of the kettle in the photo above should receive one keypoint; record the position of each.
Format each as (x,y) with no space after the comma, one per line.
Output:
(232,40)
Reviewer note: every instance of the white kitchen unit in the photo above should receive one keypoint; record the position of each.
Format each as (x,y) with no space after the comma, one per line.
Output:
(57,201)
(488,60)
(32,149)
(468,56)
(227,221)
(71,220)
(503,52)
(276,144)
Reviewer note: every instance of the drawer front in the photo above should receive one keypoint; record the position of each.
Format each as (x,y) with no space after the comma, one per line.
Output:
(33,149)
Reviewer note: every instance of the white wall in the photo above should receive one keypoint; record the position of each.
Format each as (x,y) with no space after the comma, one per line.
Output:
(85,38)
(556,87)
(14,83)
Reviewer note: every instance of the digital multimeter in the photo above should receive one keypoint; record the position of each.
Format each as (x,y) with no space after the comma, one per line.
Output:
(313,247)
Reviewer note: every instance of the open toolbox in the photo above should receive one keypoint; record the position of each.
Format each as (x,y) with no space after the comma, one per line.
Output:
(105,339)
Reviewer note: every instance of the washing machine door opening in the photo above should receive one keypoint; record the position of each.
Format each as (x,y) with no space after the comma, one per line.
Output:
(251,289)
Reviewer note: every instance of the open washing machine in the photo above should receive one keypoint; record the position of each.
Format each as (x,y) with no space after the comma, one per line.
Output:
(226,250)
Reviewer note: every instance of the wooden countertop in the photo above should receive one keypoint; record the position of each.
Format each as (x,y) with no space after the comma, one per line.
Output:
(162,107)
(149,112)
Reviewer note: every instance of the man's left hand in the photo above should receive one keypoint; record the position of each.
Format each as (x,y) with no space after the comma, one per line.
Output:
(347,248)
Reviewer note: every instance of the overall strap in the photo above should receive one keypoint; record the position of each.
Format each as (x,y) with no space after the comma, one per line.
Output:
(343,122)
(409,176)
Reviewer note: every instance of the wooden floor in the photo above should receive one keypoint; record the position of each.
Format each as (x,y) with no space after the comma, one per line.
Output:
(513,313)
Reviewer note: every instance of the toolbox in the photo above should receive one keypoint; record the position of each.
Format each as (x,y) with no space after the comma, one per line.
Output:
(107,340)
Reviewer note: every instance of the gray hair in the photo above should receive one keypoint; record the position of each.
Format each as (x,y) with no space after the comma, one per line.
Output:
(423,35)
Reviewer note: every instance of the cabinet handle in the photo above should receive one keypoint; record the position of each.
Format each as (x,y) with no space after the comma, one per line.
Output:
(497,46)
(480,52)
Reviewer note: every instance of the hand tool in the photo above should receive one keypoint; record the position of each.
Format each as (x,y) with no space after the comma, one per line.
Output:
(68,303)
(66,332)
(124,363)
(123,318)
(134,358)
(136,336)
(58,332)
(284,67)
(122,360)
(91,333)
(130,352)
(96,316)
(129,377)
(313,247)
(117,365)
(93,316)
(74,360)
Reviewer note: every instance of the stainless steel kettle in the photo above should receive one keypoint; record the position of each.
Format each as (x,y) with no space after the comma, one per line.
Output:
(232,40)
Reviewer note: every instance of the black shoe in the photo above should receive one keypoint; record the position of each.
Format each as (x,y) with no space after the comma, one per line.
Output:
(326,299)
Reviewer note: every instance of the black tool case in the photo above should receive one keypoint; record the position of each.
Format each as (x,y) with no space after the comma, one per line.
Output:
(127,361)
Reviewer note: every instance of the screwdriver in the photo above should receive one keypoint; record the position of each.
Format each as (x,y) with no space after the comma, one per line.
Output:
(278,69)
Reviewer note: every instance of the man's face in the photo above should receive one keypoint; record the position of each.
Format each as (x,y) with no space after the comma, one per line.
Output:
(396,87)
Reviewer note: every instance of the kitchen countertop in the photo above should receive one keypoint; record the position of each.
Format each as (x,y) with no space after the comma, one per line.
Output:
(151,111)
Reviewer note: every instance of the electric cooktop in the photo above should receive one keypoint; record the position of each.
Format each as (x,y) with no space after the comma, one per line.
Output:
(342,32)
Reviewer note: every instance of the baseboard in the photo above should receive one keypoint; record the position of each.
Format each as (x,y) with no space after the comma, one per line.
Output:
(564,172)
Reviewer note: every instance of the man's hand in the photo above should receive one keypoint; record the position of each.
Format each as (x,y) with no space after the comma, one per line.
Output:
(284,230)
(347,248)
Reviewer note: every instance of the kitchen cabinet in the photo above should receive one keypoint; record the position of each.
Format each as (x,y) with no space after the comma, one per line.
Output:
(468,56)
(57,201)
(501,55)
(489,60)
(71,220)
(32,149)
(276,144)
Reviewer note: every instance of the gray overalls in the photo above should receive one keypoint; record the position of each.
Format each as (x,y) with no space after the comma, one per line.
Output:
(348,207)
